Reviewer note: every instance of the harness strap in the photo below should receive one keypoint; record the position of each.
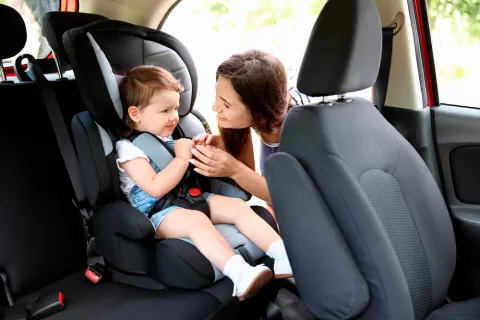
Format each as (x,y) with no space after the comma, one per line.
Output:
(187,194)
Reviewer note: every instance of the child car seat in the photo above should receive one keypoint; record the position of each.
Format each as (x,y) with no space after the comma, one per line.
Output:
(124,236)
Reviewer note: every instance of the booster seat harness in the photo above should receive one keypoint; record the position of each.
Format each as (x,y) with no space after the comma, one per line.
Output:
(188,193)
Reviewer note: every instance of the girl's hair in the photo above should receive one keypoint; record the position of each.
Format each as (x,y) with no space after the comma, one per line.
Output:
(259,78)
(138,86)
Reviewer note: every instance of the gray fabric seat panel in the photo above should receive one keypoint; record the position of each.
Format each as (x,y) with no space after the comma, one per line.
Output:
(162,56)
(336,167)
(387,199)
(464,310)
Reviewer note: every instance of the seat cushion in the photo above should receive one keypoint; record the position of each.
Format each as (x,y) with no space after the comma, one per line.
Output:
(116,301)
(463,310)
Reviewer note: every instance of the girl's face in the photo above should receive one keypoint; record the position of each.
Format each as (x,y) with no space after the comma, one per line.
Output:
(231,112)
(160,116)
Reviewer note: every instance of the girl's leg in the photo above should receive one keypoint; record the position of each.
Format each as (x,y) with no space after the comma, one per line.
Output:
(195,225)
(238,212)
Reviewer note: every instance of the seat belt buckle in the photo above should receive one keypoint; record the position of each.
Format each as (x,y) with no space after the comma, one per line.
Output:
(194,194)
(43,307)
(95,273)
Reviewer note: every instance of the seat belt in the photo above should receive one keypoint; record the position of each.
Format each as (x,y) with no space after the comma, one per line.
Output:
(61,135)
(381,85)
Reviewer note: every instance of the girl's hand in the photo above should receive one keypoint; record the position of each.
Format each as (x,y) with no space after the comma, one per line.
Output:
(214,162)
(209,139)
(183,149)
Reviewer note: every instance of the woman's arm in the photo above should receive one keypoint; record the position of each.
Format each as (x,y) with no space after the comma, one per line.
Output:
(251,181)
(247,157)
(214,162)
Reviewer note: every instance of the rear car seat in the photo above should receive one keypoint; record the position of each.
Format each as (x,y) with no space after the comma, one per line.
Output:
(41,240)
(124,236)
(54,24)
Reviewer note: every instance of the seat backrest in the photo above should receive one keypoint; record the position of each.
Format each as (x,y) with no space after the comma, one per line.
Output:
(41,232)
(55,23)
(41,236)
(99,53)
(378,190)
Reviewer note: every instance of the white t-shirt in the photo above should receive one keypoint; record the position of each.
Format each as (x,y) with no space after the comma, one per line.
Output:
(127,151)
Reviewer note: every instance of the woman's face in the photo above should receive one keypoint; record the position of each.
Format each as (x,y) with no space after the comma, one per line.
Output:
(232,113)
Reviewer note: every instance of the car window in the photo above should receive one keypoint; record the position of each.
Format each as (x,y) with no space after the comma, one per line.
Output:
(455,34)
(212,30)
(32,12)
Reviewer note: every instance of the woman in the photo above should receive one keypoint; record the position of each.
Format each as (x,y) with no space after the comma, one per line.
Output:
(251,92)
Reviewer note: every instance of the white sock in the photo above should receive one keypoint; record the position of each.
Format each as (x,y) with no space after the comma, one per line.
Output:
(235,266)
(277,251)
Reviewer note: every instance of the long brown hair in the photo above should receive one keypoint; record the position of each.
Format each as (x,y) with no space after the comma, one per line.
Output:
(138,86)
(259,78)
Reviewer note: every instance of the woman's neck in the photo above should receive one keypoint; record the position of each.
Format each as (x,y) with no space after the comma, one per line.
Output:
(271,137)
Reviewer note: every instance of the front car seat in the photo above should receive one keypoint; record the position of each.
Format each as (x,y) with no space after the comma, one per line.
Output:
(124,236)
(367,185)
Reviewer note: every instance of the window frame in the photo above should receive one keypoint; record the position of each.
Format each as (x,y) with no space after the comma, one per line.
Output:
(65,6)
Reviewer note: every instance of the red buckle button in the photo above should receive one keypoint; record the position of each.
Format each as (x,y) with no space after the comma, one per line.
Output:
(92,276)
(60,299)
(195,192)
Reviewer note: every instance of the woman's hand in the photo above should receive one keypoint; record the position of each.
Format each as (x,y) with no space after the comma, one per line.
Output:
(214,162)
(209,139)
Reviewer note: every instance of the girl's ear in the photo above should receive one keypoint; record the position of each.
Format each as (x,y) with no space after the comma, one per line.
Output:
(134,113)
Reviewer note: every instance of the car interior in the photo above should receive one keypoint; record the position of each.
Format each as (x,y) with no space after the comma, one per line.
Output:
(377,200)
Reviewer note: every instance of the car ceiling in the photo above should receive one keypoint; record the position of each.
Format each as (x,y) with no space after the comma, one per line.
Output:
(148,13)
(404,91)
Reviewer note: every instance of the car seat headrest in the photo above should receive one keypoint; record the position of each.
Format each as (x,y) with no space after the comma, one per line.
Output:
(54,24)
(344,50)
(100,51)
(13,32)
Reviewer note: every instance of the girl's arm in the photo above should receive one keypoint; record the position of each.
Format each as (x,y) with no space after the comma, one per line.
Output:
(153,183)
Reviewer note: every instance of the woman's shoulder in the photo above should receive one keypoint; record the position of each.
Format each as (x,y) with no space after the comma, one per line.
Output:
(297,98)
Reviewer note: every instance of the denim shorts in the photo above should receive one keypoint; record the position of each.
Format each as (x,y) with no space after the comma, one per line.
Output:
(158,217)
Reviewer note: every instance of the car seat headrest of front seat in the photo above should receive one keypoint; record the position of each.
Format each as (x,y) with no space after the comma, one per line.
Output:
(101,51)
(344,50)
(55,23)
(13,32)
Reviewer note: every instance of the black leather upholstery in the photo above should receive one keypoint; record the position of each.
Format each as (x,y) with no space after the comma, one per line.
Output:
(12,31)
(344,50)
(40,229)
(359,169)
(54,24)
